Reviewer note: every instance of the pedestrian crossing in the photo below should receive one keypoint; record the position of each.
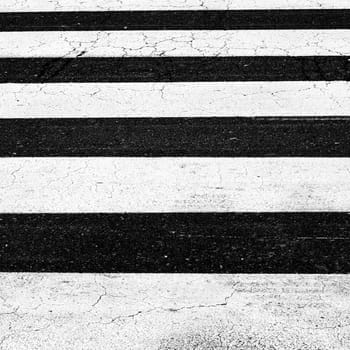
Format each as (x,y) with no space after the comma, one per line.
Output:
(155,152)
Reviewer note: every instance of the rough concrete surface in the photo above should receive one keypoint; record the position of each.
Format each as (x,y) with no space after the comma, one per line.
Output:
(174,311)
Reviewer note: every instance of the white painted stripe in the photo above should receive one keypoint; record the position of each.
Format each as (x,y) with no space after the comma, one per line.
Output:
(175,43)
(173,311)
(108,5)
(65,185)
(175,99)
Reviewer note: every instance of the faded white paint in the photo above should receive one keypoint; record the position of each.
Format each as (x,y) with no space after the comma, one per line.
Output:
(175,43)
(60,185)
(174,311)
(120,5)
(175,99)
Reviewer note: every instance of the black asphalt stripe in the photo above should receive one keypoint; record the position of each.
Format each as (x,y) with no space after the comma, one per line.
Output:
(174,69)
(178,137)
(198,243)
(176,20)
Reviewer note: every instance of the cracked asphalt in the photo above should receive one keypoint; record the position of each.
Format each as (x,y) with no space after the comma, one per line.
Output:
(164,311)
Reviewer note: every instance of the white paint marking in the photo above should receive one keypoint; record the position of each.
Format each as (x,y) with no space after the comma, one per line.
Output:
(174,311)
(121,5)
(59,185)
(175,99)
(175,43)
